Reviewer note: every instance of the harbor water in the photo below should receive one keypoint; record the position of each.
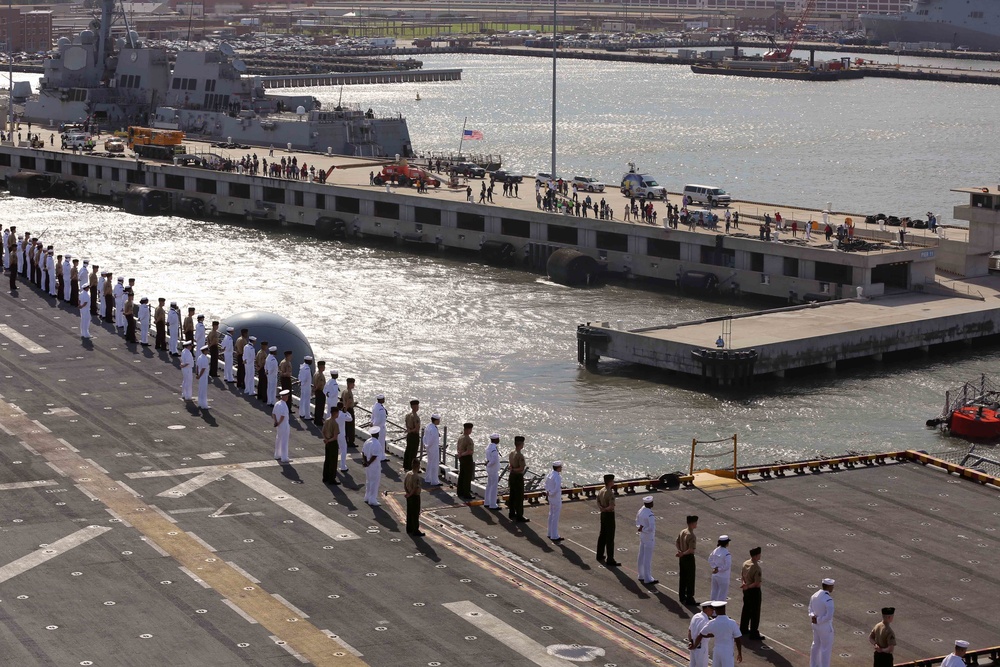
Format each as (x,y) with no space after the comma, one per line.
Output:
(497,346)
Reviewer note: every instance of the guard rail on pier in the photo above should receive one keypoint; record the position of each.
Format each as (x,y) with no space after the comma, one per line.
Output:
(358,78)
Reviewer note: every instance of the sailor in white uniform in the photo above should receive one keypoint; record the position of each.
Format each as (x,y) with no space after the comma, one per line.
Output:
(720,563)
(50,270)
(727,635)
(226,347)
(201,375)
(6,251)
(379,418)
(370,453)
(821,617)
(84,303)
(187,371)
(119,293)
(492,473)
(432,445)
(645,524)
(342,418)
(305,387)
(553,491)
(144,316)
(699,655)
(67,283)
(174,326)
(249,354)
(956,658)
(199,332)
(281,426)
(271,371)
(331,390)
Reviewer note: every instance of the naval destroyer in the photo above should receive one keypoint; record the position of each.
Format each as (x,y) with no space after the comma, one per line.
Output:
(112,82)
(974,24)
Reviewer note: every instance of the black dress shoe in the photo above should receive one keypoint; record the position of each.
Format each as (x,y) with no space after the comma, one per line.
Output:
(418,534)
(600,559)
(613,563)
(758,637)
(523,520)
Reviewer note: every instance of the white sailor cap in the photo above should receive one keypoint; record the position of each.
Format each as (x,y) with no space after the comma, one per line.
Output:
(557,464)
(187,342)
(230,329)
(436,416)
(375,430)
(172,303)
(494,436)
(201,317)
(86,262)
(253,339)
(718,604)
(307,358)
(829,582)
(961,643)
(144,299)
(379,397)
(334,372)
(67,257)
(273,348)
(120,278)
(723,538)
(647,500)
(707,603)
(284,392)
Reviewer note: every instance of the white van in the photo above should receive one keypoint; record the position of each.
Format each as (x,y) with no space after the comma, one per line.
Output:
(707,194)
(642,186)
(78,140)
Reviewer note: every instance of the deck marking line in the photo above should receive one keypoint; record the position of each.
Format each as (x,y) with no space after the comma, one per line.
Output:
(60,546)
(28,485)
(190,485)
(246,617)
(340,640)
(504,633)
(221,469)
(25,342)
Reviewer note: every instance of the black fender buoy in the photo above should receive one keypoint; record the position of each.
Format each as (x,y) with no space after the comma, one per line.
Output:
(567,266)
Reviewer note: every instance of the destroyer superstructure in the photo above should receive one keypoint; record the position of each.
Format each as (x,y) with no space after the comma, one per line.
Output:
(974,24)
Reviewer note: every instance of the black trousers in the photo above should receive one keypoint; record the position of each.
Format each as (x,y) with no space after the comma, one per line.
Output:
(13,273)
(685,589)
(320,398)
(413,514)
(515,495)
(412,447)
(330,462)
(93,300)
(262,384)
(606,539)
(45,282)
(130,328)
(284,382)
(161,336)
(349,429)
(465,468)
(74,293)
(213,361)
(882,659)
(750,618)
(109,303)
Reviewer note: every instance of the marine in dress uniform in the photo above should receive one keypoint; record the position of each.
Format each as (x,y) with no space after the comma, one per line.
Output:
(226,348)
(128,312)
(187,331)
(957,657)
(645,524)
(84,304)
(241,365)
(432,446)
(107,298)
(144,314)
(318,385)
(248,358)
(412,423)
(515,480)
(883,639)
(201,375)
(687,544)
(553,493)
(160,322)
(492,473)
(331,433)
(12,271)
(348,401)
(305,388)
(187,371)
(370,453)
(411,488)
(92,289)
(285,371)
(281,426)
(271,370)
(721,562)
(821,617)
(258,364)
(727,637)
(343,419)
(606,508)
(213,339)
(465,448)
(751,578)
(380,417)
(699,655)
(74,283)
(331,394)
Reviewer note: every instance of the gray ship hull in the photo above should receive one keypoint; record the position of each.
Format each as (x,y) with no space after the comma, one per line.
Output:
(905,28)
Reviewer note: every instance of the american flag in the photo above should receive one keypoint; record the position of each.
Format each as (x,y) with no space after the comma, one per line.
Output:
(472,134)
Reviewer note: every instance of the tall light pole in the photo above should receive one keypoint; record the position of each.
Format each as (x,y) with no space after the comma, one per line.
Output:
(10,61)
(554,47)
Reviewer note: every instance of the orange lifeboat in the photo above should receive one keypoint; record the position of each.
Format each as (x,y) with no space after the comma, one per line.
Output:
(980,423)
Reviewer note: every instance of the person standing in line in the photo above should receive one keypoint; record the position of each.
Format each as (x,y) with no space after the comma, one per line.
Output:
(188,329)
(226,348)
(645,523)
(260,361)
(83,277)
(74,282)
(144,321)
(687,544)
(490,501)
(91,288)
(50,273)
(119,294)
(370,453)
(721,562)
(411,487)
(249,353)
(174,323)
(67,274)
(201,375)
(515,480)
(957,657)
(187,371)
(108,298)
(331,433)
(331,392)
(271,370)
(821,616)
(199,332)
(84,305)
(241,364)
(282,428)
(160,322)
(318,387)
(213,340)
(343,419)
(128,312)
(349,403)
(285,371)
(727,637)
(883,639)
(380,418)
(553,492)
(412,424)
(432,445)
(12,271)
(465,448)
(606,507)
(751,577)
(699,654)
(305,388)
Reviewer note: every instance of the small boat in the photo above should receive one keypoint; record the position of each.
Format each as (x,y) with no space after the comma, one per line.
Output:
(976,423)
(972,410)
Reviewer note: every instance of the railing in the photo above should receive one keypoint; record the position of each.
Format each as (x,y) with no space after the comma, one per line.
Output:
(971,658)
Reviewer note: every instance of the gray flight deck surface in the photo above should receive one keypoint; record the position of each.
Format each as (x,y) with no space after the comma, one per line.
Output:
(226,558)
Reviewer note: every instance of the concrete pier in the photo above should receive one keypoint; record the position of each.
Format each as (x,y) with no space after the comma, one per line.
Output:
(358,78)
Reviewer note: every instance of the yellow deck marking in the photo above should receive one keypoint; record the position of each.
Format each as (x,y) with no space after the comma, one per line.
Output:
(304,637)
(709,481)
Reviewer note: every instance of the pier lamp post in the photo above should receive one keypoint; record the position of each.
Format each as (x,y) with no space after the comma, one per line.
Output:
(555,45)
(10,64)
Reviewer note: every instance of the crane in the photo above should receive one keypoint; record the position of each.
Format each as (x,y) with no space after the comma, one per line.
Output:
(781,53)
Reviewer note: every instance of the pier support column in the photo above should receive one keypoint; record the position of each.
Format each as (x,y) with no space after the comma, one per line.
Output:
(830,365)
(925,349)
(779,374)
(877,357)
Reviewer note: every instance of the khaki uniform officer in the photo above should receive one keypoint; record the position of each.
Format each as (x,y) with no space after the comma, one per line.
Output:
(412,435)
(241,367)
(214,337)
(331,431)
(318,385)
(466,463)
(606,507)
(411,486)
(883,639)
(348,400)
(187,330)
(687,543)
(258,367)
(751,576)
(160,322)
(285,371)
(515,481)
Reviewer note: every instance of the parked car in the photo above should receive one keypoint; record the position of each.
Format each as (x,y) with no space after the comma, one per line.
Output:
(502,175)
(588,184)
(114,145)
(707,194)
(469,169)
(543,177)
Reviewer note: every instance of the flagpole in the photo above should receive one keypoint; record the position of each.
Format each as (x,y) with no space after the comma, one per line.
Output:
(464,123)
